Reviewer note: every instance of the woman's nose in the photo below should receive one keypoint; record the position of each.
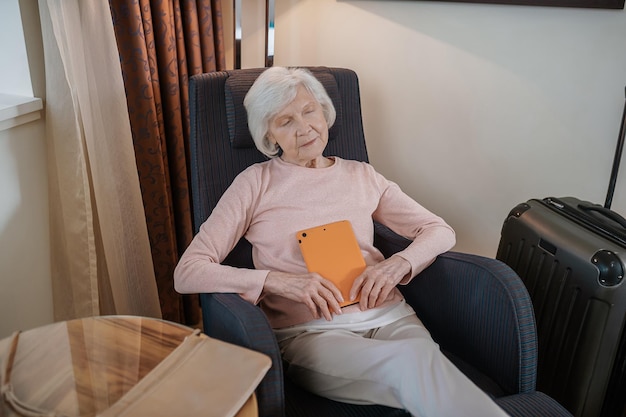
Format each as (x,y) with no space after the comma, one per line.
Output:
(302,126)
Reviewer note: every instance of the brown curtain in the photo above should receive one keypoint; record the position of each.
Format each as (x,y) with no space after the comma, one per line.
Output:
(161,44)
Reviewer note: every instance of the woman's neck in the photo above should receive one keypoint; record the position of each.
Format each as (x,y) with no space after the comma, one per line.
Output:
(319,162)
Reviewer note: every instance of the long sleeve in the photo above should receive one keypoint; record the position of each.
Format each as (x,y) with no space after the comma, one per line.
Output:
(429,233)
(200,270)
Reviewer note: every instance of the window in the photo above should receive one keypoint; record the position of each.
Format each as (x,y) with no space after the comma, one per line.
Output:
(17,104)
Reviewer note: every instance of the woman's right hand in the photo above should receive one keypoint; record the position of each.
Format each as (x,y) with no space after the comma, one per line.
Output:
(320,295)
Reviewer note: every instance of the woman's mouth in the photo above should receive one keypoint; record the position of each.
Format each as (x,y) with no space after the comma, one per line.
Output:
(308,143)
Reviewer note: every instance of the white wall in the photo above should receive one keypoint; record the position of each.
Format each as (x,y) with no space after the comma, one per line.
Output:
(26,293)
(25,288)
(474,108)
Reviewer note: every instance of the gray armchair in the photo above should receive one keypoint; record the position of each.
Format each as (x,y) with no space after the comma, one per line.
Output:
(477,309)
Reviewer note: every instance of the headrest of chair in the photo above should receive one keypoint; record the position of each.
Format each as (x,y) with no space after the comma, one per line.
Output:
(236,87)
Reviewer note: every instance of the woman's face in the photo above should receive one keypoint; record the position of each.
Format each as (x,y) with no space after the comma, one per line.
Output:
(300,130)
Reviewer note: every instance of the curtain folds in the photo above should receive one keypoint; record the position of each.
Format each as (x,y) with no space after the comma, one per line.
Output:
(100,253)
(161,44)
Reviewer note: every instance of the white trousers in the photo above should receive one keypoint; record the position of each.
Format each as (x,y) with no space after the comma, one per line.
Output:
(398,365)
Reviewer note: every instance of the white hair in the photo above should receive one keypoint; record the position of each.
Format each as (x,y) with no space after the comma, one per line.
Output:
(271,92)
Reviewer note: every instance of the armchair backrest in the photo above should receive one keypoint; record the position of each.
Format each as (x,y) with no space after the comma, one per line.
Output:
(221,145)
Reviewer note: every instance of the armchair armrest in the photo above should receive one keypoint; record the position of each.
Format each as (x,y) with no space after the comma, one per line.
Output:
(230,318)
(477,309)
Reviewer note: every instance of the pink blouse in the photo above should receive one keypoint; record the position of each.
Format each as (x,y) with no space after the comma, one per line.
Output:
(270,201)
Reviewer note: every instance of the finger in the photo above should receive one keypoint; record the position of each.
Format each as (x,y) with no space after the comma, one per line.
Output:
(335,296)
(366,289)
(373,296)
(315,312)
(332,296)
(322,307)
(330,293)
(384,293)
(356,286)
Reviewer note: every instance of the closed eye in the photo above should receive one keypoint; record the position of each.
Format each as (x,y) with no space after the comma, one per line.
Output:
(283,121)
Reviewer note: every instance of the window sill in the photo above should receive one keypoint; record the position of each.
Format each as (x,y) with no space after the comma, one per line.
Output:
(17,110)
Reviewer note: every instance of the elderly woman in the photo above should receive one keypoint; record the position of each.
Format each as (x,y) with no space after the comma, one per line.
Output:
(374,351)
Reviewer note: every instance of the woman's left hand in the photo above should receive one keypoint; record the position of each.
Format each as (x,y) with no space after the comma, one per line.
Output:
(377,281)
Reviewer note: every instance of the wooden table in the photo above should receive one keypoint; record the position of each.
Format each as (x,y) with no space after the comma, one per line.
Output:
(82,367)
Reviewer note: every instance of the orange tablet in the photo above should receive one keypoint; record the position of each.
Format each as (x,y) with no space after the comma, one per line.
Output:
(332,251)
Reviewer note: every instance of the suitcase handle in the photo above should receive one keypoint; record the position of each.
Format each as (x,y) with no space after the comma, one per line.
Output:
(616,161)
(605,212)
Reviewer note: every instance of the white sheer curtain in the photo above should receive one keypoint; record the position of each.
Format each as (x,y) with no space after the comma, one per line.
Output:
(101,260)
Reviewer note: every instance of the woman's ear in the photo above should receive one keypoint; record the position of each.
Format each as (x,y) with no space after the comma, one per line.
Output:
(270,140)
(271,144)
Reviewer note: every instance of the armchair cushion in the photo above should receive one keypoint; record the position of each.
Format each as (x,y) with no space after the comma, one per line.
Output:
(532,404)
(301,403)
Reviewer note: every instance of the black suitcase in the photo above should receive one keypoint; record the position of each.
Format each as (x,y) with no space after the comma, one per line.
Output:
(571,255)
